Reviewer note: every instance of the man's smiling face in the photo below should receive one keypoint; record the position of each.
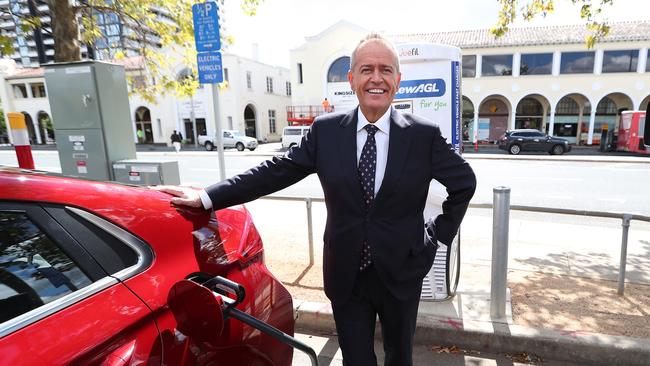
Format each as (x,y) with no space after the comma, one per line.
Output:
(375,78)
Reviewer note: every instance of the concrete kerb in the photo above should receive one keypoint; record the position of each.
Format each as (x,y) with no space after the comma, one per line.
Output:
(570,346)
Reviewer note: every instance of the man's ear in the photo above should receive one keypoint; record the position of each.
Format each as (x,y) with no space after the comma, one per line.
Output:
(350,76)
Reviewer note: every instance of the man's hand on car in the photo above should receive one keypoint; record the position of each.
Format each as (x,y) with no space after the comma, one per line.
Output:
(183,196)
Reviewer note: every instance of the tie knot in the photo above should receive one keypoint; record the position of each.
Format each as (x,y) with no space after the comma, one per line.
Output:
(371,129)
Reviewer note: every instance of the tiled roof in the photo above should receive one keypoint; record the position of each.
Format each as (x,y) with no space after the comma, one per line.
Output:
(566,34)
(28,72)
(129,63)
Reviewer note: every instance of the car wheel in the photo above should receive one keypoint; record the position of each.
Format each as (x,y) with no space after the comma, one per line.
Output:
(557,150)
(292,145)
(514,149)
(209,146)
(240,146)
(252,149)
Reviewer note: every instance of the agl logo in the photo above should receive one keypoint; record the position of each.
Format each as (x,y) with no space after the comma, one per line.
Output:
(421,89)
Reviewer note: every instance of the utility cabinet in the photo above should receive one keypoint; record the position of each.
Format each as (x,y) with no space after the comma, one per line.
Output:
(91,117)
(147,173)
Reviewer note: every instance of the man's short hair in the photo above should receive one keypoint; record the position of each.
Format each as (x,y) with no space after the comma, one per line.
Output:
(373,36)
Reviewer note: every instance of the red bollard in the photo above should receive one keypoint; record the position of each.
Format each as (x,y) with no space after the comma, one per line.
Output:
(475,146)
(20,138)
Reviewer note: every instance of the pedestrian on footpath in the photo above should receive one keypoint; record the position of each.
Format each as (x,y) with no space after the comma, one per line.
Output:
(377,246)
(176,140)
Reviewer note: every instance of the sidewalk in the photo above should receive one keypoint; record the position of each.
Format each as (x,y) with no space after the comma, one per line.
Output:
(562,285)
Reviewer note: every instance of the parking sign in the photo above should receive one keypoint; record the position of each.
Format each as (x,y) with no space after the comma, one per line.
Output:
(206,27)
(210,69)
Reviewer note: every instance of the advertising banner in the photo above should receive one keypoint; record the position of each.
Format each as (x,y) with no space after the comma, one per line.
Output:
(431,84)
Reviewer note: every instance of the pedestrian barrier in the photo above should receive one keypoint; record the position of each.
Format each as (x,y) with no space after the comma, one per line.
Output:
(624,217)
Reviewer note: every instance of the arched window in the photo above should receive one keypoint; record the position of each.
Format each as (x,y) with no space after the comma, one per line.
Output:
(567,106)
(606,106)
(338,71)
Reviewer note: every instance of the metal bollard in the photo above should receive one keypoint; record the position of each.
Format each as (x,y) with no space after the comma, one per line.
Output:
(500,228)
(621,269)
(20,138)
(310,232)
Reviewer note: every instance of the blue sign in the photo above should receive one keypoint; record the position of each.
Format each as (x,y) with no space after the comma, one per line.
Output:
(206,27)
(428,88)
(210,69)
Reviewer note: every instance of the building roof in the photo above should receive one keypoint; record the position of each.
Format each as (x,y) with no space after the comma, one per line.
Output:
(530,36)
(129,63)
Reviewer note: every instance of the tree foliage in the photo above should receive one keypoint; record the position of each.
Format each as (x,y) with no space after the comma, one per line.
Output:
(529,9)
(161,31)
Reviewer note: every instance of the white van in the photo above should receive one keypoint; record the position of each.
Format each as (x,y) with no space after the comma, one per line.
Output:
(292,135)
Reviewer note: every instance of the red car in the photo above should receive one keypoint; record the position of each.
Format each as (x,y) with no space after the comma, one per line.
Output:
(97,273)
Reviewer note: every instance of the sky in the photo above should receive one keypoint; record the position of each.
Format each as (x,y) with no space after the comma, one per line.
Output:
(282,25)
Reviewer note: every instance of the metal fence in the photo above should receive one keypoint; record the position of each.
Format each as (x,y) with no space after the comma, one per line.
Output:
(624,217)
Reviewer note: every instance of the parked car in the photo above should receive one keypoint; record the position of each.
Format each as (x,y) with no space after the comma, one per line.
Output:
(95,273)
(231,138)
(292,135)
(516,141)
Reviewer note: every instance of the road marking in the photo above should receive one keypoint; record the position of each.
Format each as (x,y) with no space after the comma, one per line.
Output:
(561,197)
(618,200)
(537,179)
(205,169)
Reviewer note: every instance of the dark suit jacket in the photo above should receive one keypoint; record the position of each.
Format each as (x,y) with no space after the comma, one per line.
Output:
(402,252)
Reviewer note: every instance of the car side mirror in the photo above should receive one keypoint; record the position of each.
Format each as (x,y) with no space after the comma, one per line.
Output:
(198,312)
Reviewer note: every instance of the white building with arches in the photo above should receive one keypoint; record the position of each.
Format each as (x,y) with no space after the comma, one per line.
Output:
(543,77)
(254,101)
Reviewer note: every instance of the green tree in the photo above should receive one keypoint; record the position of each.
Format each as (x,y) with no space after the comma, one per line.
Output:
(156,27)
(590,11)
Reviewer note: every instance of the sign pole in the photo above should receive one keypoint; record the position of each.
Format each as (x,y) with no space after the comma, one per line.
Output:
(217,120)
(208,42)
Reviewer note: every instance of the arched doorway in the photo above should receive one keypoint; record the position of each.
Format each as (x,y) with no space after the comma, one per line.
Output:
(45,127)
(468,119)
(644,104)
(493,116)
(143,128)
(530,113)
(570,113)
(30,128)
(608,113)
(249,121)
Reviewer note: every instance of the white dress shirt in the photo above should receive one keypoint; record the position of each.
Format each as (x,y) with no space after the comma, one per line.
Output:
(381,139)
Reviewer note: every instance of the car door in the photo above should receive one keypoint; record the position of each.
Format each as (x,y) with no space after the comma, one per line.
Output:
(537,141)
(526,140)
(228,139)
(59,304)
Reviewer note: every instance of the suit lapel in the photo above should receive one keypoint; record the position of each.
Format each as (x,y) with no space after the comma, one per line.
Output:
(398,147)
(348,153)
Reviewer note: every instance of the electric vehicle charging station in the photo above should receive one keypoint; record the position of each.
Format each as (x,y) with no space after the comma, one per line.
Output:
(431,88)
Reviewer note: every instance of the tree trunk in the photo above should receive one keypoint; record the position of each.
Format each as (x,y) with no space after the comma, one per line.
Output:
(65,30)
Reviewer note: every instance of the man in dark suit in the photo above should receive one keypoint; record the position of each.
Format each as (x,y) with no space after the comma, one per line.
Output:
(375,166)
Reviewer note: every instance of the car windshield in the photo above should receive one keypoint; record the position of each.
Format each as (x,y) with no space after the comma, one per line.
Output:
(236,133)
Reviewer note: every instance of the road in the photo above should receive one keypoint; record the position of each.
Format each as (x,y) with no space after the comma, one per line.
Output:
(599,186)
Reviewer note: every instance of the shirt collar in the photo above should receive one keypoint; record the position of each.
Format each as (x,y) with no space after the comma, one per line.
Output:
(383,123)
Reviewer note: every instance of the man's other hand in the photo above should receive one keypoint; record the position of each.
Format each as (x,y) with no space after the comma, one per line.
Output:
(183,196)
